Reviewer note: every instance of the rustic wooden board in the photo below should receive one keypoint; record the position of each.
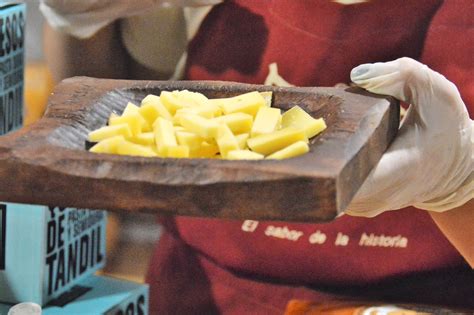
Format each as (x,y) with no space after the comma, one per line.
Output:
(46,163)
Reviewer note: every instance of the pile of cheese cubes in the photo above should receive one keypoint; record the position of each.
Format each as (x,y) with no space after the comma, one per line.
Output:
(185,124)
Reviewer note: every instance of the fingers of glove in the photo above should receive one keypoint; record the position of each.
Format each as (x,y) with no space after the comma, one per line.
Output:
(388,185)
(436,99)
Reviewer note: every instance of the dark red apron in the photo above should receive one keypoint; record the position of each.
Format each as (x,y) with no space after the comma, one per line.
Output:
(205,266)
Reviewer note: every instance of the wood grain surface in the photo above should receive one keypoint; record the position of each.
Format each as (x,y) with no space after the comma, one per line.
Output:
(46,163)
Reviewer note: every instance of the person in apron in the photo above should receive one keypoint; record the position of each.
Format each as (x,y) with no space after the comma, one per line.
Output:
(205,266)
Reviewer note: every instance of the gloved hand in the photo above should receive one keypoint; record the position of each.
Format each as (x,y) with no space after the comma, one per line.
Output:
(83,18)
(430,163)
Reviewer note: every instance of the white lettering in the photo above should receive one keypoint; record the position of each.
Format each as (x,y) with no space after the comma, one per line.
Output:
(397,241)
(283,233)
(317,237)
(249,225)
(341,240)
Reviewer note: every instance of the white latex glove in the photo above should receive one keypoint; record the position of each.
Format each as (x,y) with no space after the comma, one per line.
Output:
(430,163)
(83,18)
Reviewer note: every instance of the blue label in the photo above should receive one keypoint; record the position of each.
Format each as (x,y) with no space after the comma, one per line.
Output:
(12,36)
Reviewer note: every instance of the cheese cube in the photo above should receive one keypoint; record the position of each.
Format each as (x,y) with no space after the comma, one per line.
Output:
(152,108)
(247,103)
(179,151)
(206,110)
(181,99)
(128,148)
(133,120)
(295,149)
(206,128)
(268,143)
(130,108)
(242,140)
(237,122)
(243,155)
(164,134)
(267,96)
(110,131)
(206,150)
(189,139)
(226,140)
(108,145)
(192,98)
(145,138)
(297,117)
(266,121)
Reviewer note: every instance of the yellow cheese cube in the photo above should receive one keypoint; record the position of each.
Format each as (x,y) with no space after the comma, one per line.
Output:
(192,98)
(113,115)
(134,109)
(248,103)
(110,131)
(297,117)
(267,96)
(226,140)
(179,151)
(189,139)
(108,145)
(295,149)
(266,121)
(237,122)
(133,120)
(181,99)
(206,128)
(145,138)
(152,108)
(129,148)
(164,134)
(206,110)
(206,150)
(130,108)
(242,140)
(244,155)
(268,143)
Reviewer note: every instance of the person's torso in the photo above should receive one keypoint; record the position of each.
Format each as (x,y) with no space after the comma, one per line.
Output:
(314,44)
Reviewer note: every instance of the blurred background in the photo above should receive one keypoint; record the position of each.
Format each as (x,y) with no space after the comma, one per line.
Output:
(130,237)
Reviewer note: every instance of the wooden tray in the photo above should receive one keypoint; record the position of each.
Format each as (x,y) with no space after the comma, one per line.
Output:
(46,163)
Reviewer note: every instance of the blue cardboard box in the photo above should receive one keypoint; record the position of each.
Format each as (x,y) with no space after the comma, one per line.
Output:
(12,39)
(44,251)
(100,295)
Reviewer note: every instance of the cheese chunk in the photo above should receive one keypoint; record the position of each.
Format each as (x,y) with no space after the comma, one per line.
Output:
(206,150)
(133,120)
(206,128)
(266,121)
(182,99)
(128,148)
(189,139)
(268,143)
(226,141)
(164,134)
(242,140)
(179,151)
(132,109)
(247,103)
(151,108)
(295,149)
(110,131)
(108,145)
(267,96)
(145,138)
(237,122)
(297,117)
(243,155)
